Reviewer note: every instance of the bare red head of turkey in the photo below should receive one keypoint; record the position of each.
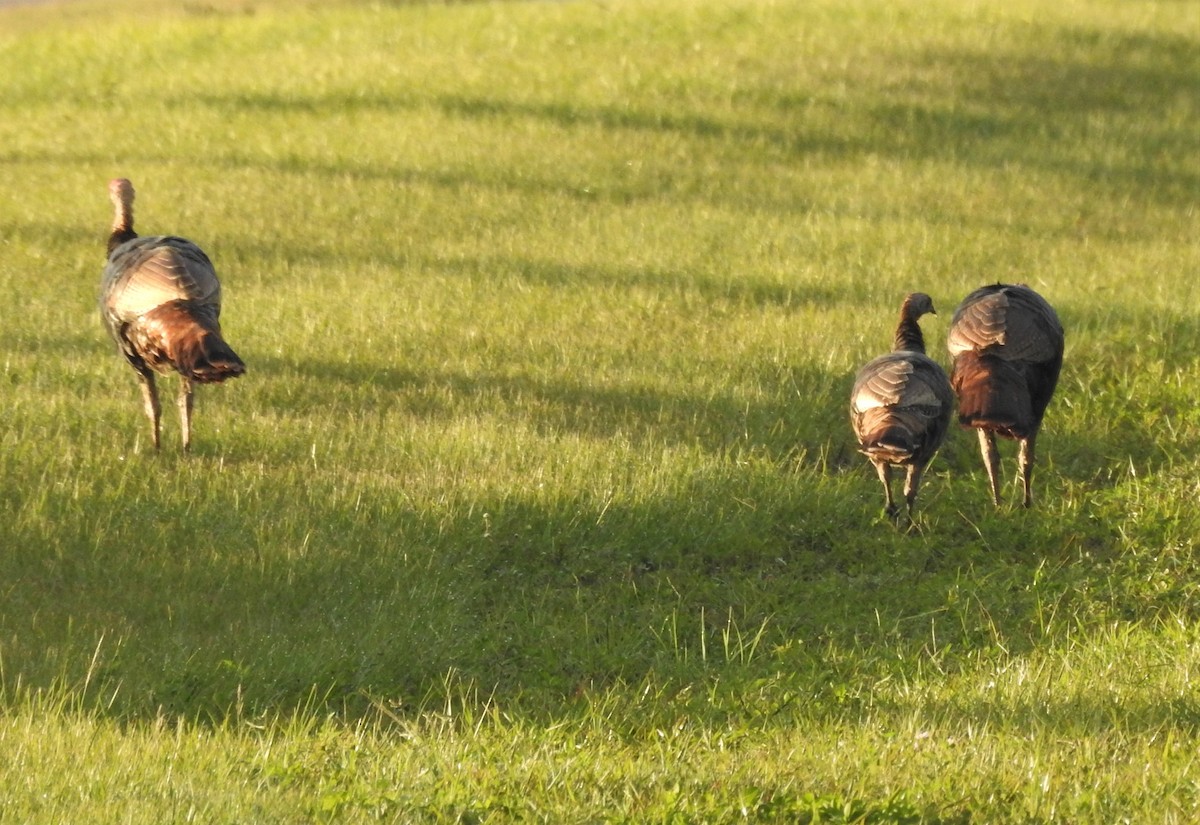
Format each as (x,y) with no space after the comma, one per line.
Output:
(121,191)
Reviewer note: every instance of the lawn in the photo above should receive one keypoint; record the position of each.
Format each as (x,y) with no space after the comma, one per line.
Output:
(538,501)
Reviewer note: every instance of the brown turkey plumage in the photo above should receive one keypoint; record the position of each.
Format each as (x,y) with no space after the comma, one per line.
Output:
(900,406)
(161,302)
(1006,344)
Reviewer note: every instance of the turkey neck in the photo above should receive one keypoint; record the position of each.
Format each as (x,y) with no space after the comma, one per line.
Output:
(122,228)
(908,334)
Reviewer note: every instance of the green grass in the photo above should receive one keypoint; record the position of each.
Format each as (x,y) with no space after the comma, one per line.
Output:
(539,501)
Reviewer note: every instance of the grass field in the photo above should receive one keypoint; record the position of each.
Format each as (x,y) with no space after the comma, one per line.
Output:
(538,501)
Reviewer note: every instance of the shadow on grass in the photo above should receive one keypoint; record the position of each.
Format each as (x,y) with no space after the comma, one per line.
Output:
(254,596)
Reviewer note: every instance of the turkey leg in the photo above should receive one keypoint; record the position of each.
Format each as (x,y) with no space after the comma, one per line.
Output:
(150,402)
(185,412)
(1025,460)
(991,460)
(885,476)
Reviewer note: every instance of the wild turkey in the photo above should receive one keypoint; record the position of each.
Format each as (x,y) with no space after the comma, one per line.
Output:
(160,300)
(900,405)
(1006,344)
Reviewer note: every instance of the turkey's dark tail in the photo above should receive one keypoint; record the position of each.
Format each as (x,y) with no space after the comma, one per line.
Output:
(191,340)
(210,360)
(887,435)
(993,395)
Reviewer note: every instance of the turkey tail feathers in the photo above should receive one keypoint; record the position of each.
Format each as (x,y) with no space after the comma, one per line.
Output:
(210,360)
(898,436)
(186,336)
(993,394)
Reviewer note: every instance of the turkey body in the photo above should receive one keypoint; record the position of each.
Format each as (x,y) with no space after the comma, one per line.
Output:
(1006,344)
(900,406)
(160,299)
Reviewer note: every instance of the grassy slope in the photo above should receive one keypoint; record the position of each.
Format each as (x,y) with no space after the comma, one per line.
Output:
(540,481)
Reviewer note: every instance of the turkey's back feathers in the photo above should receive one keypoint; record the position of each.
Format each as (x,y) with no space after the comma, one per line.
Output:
(146,272)
(1012,322)
(900,407)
